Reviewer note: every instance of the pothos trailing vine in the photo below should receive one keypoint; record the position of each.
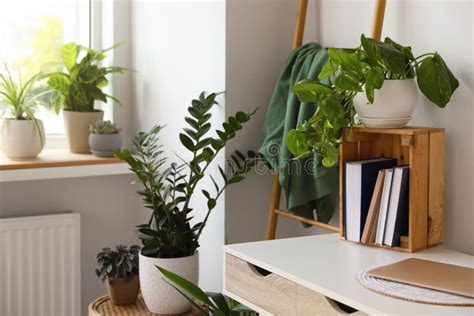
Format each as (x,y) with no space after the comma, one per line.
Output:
(361,70)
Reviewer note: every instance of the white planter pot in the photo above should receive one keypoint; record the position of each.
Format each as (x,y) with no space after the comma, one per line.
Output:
(22,138)
(393,104)
(77,126)
(103,145)
(159,296)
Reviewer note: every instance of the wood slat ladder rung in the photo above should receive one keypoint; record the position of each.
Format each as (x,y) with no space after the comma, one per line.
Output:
(307,221)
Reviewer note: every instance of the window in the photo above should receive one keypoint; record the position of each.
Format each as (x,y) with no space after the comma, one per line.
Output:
(32,33)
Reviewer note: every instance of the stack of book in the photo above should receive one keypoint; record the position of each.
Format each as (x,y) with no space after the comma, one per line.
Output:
(376,201)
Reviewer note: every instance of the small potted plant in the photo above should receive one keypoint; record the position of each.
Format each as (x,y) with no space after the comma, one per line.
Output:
(104,138)
(170,240)
(22,133)
(119,270)
(77,88)
(376,81)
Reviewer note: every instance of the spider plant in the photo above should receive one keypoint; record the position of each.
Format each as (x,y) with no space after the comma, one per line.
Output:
(20,100)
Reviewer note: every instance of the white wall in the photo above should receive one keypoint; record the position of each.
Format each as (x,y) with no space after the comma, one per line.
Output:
(108,207)
(179,51)
(259,37)
(446,27)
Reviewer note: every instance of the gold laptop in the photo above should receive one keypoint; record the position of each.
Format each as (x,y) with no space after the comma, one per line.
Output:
(429,274)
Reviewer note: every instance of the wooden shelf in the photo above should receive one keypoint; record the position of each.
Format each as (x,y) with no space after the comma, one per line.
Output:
(56,164)
(409,130)
(54,158)
(422,148)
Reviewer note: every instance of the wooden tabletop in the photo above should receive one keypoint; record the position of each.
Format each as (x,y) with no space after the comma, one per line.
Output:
(103,306)
(329,266)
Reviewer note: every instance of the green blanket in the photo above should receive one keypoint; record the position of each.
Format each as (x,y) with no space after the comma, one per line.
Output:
(306,184)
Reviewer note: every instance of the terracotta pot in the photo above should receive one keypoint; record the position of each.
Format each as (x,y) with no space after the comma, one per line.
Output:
(77,125)
(22,138)
(159,296)
(393,105)
(122,292)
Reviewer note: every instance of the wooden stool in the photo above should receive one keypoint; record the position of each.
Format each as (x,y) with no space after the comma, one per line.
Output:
(103,306)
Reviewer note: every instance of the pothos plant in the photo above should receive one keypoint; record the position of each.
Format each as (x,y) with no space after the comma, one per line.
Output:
(82,81)
(168,189)
(361,70)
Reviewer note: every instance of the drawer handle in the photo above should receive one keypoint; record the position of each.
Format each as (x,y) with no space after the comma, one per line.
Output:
(257,270)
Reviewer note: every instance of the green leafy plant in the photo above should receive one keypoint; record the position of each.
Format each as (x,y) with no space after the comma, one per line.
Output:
(121,263)
(206,303)
(104,127)
(20,99)
(361,70)
(168,191)
(82,81)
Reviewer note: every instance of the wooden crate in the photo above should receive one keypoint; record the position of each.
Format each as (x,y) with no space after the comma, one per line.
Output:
(422,149)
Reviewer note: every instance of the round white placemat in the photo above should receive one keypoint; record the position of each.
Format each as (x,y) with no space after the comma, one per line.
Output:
(411,292)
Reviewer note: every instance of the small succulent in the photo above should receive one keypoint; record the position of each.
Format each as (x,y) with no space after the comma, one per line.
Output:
(104,127)
(119,263)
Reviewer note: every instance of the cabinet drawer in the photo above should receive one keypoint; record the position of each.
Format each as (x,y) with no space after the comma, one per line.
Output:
(269,291)
(310,303)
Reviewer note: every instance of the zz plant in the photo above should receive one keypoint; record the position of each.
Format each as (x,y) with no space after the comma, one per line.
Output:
(121,263)
(167,190)
(82,81)
(361,70)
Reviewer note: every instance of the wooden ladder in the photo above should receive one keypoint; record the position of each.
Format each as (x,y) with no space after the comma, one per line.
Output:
(274,210)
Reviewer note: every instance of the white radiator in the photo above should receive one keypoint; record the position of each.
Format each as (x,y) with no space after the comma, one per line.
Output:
(40,266)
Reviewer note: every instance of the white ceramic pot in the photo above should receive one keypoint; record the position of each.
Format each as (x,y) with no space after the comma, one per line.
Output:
(22,138)
(77,126)
(393,104)
(103,145)
(159,296)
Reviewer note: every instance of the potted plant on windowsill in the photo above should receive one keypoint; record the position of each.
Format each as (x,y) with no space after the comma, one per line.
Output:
(104,138)
(169,240)
(77,88)
(22,133)
(119,269)
(375,83)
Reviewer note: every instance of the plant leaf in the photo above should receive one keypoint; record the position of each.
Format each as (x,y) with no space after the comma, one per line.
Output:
(187,287)
(69,54)
(436,81)
(309,91)
(186,141)
(296,142)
